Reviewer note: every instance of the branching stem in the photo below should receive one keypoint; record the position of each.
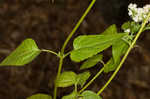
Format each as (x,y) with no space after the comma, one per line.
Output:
(66,42)
(125,56)
(49,51)
(91,81)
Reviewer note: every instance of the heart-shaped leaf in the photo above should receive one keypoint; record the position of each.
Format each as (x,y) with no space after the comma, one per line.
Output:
(24,54)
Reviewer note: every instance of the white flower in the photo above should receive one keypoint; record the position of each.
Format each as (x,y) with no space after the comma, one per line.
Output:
(127,31)
(146,8)
(138,14)
(130,13)
(132,6)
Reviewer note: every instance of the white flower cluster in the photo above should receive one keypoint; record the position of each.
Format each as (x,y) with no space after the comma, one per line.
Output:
(138,14)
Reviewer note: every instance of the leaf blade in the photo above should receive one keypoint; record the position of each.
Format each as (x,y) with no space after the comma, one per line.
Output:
(23,54)
(73,95)
(91,62)
(110,30)
(90,95)
(66,79)
(40,96)
(82,78)
(110,66)
(89,45)
(118,49)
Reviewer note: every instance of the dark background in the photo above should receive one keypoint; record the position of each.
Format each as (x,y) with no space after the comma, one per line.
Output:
(49,24)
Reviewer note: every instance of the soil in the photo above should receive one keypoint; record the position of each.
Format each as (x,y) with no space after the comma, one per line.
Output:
(49,24)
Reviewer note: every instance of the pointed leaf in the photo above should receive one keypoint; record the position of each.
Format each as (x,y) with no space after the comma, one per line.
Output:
(94,40)
(24,54)
(118,49)
(73,95)
(89,45)
(66,79)
(40,96)
(90,95)
(110,30)
(91,62)
(84,53)
(82,78)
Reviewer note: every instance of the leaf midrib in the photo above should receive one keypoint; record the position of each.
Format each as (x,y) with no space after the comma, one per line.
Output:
(110,40)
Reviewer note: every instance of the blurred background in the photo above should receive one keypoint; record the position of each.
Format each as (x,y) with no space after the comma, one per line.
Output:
(49,24)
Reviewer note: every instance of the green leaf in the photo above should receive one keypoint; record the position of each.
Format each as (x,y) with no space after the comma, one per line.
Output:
(66,79)
(24,54)
(110,30)
(84,53)
(147,27)
(135,27)
(110,66)
(95,40)
(73,95)
(82,78)
(118,49)
(40,96)
(91,62)
(89,45)
(90,95)
(126,25)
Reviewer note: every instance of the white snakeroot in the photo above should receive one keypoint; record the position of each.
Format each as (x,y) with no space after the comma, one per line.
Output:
(138,14)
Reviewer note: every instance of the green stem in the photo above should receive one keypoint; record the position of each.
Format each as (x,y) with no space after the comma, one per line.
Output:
(66,42)
(49,51)
(90,82)
(76,88)
(125,56)
(58,74)
(67,54)
(78,24)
